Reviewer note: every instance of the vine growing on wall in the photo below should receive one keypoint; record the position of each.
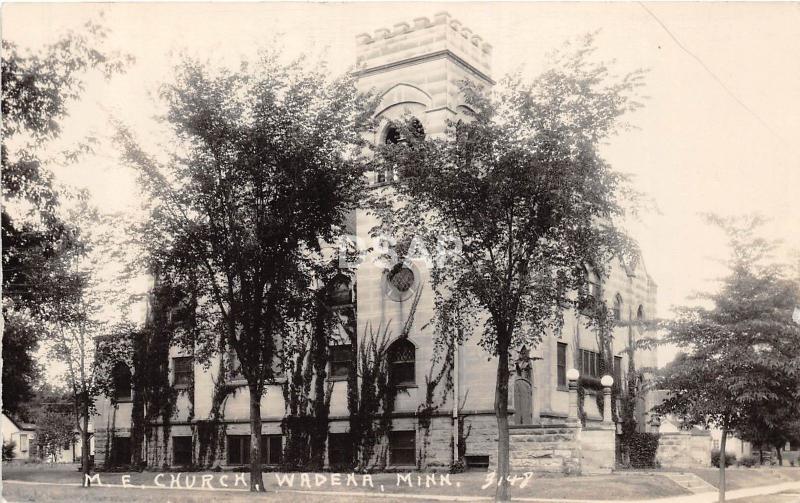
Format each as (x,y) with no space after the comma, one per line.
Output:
(629,394)
(307,394)
(304,358)
(599,319)
(145,351)
(427,409)
(210,433)
(372,394)
(451,323)
(365,399)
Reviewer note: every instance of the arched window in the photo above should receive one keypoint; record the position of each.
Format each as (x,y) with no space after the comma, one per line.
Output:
(402,361)
(618,307)
(640,318)
(395,135)
(121,378)
(594,285)
(590,290)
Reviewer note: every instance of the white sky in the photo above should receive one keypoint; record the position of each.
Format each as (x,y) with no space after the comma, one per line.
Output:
(697,149)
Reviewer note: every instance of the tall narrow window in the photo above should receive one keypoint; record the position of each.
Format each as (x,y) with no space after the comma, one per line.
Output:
(618,371)
(561,364)
(398,136)
(184,371)
(618,307)
(341,358)
(590,363)
(234,367)
(640,318)
(121,378)
(591,291)
(402,363)
(238,449)
(271,449)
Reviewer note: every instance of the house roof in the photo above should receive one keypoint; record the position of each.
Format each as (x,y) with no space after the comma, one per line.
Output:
(19,424)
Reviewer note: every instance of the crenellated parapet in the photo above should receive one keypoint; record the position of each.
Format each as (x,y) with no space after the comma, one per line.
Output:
(412,41)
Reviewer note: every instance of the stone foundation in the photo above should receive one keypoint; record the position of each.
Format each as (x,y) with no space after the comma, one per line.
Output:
(482,439)
(546,448)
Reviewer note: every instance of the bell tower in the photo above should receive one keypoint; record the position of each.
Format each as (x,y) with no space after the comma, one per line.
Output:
(416,68)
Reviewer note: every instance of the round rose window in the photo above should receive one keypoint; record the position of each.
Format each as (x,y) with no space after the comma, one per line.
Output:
(400,282)
(402,278)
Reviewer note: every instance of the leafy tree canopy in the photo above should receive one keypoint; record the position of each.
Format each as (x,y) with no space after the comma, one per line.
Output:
(37,88)
(742,367)
(520,187)
(263,164)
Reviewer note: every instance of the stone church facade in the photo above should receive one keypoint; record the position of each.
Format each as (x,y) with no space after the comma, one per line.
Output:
(416,68)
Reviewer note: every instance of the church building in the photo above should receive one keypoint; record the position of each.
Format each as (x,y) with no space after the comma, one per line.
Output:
(415,67)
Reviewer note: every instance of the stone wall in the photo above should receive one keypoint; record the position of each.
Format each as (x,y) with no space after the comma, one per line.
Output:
(684,450)
(438,445)
(482,439)
(597,450)
(550,449)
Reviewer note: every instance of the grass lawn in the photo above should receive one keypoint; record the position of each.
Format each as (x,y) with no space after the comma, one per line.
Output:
(739,478)
(470,485)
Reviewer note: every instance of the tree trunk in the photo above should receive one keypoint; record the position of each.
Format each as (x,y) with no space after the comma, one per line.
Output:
(319,435)
(722,463)
(256,478)
(501,411)
(353,398)
(85,466)
(780,457)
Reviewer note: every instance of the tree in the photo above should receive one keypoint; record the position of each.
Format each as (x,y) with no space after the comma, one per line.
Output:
(76,319)
(531,202)
(266,161)
(54,431)
(741,368)
(37,90)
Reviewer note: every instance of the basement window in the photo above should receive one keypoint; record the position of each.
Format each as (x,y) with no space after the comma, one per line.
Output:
(402,448)
(477,463)
(182,451)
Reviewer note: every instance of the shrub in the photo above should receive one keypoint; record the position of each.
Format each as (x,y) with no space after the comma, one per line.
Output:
(8,450)
(642,448)
(729,458)
(458,467)
(748,461)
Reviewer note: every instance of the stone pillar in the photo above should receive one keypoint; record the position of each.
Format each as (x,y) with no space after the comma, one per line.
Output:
(607,381)
(655,424)
(572,377)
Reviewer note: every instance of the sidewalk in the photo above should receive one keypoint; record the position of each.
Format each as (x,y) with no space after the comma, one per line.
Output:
(707,497)
(333,496)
